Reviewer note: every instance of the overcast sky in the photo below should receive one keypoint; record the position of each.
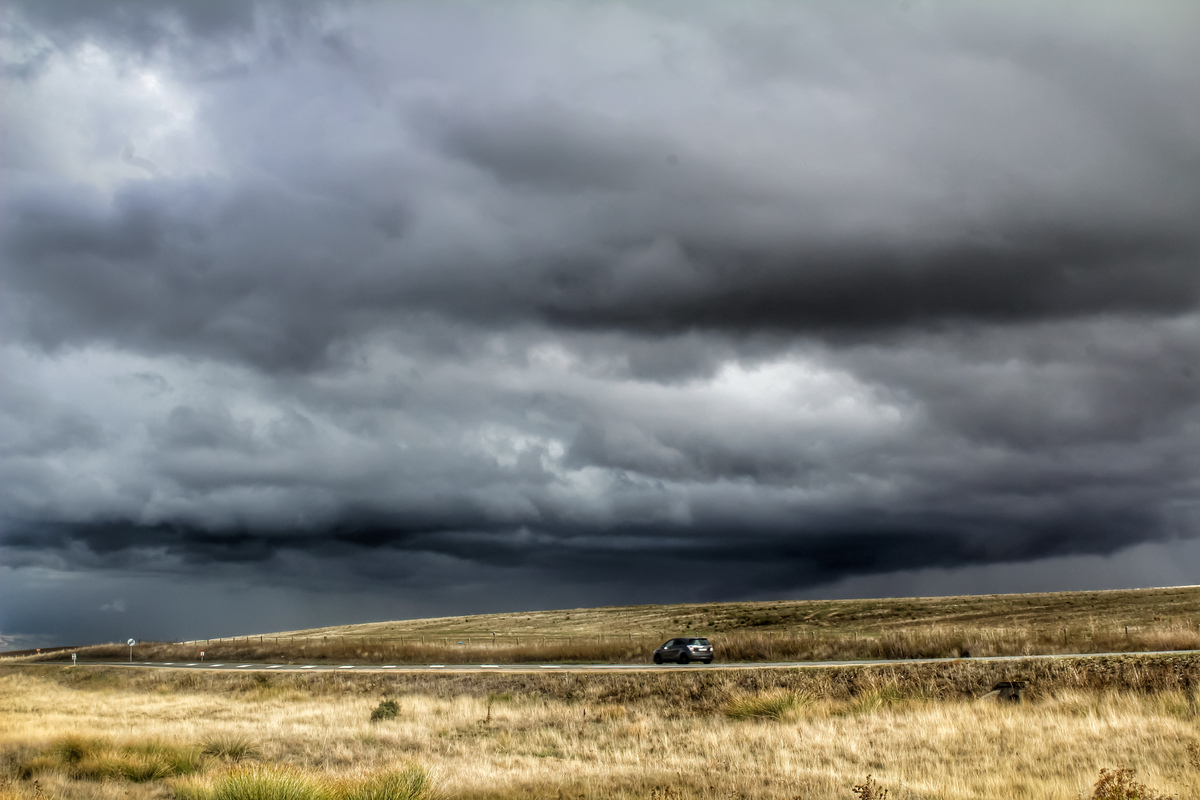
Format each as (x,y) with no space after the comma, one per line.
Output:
(320,313)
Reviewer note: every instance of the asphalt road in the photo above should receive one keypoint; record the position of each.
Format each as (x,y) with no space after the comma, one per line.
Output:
(244,666)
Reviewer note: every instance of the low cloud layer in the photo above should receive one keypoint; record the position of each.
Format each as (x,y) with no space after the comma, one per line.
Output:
(439,305)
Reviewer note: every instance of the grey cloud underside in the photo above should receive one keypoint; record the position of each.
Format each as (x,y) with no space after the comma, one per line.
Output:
(723,559)
(158,272)
(836,294)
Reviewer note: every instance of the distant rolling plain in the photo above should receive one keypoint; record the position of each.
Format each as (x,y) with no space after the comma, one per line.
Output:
(809,630)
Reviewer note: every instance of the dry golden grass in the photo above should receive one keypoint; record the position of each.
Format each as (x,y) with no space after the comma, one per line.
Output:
(638,736)
(1064,622)
(1083,612)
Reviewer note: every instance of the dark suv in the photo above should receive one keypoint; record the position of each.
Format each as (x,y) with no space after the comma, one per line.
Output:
(684,651)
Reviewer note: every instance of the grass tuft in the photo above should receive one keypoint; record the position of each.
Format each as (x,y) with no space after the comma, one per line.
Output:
(410,783)
(192,787)
(74,749)
(232,747)
(98,759)
(261,782)
(873,700)
(767,705)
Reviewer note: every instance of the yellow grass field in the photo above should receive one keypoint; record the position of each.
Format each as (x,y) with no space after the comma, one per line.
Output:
(779,734)
(1097,613)
(1027,624)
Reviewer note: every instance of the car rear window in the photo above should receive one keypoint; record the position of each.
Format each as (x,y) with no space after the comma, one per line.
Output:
(699,641)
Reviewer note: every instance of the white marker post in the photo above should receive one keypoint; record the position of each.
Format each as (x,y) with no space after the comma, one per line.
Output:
(74,658)
(201,655)
(132,642)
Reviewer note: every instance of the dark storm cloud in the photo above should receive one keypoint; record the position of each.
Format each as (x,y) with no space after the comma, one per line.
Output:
(565,296)
(151,272)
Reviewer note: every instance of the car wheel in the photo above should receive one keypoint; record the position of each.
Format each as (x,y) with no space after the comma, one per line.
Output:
(657,658)
(683,658)
(707,661)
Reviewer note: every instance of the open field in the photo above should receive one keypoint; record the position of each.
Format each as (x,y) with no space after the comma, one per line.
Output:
(777,735)
(1139,609)
(1030,624)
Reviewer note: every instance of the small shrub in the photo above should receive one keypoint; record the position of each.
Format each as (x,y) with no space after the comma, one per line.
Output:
(869,790)
(387,709)
(1118,784)
(232,747)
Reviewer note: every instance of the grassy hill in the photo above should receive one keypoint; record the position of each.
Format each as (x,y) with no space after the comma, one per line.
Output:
(801,630)
(1137,608)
